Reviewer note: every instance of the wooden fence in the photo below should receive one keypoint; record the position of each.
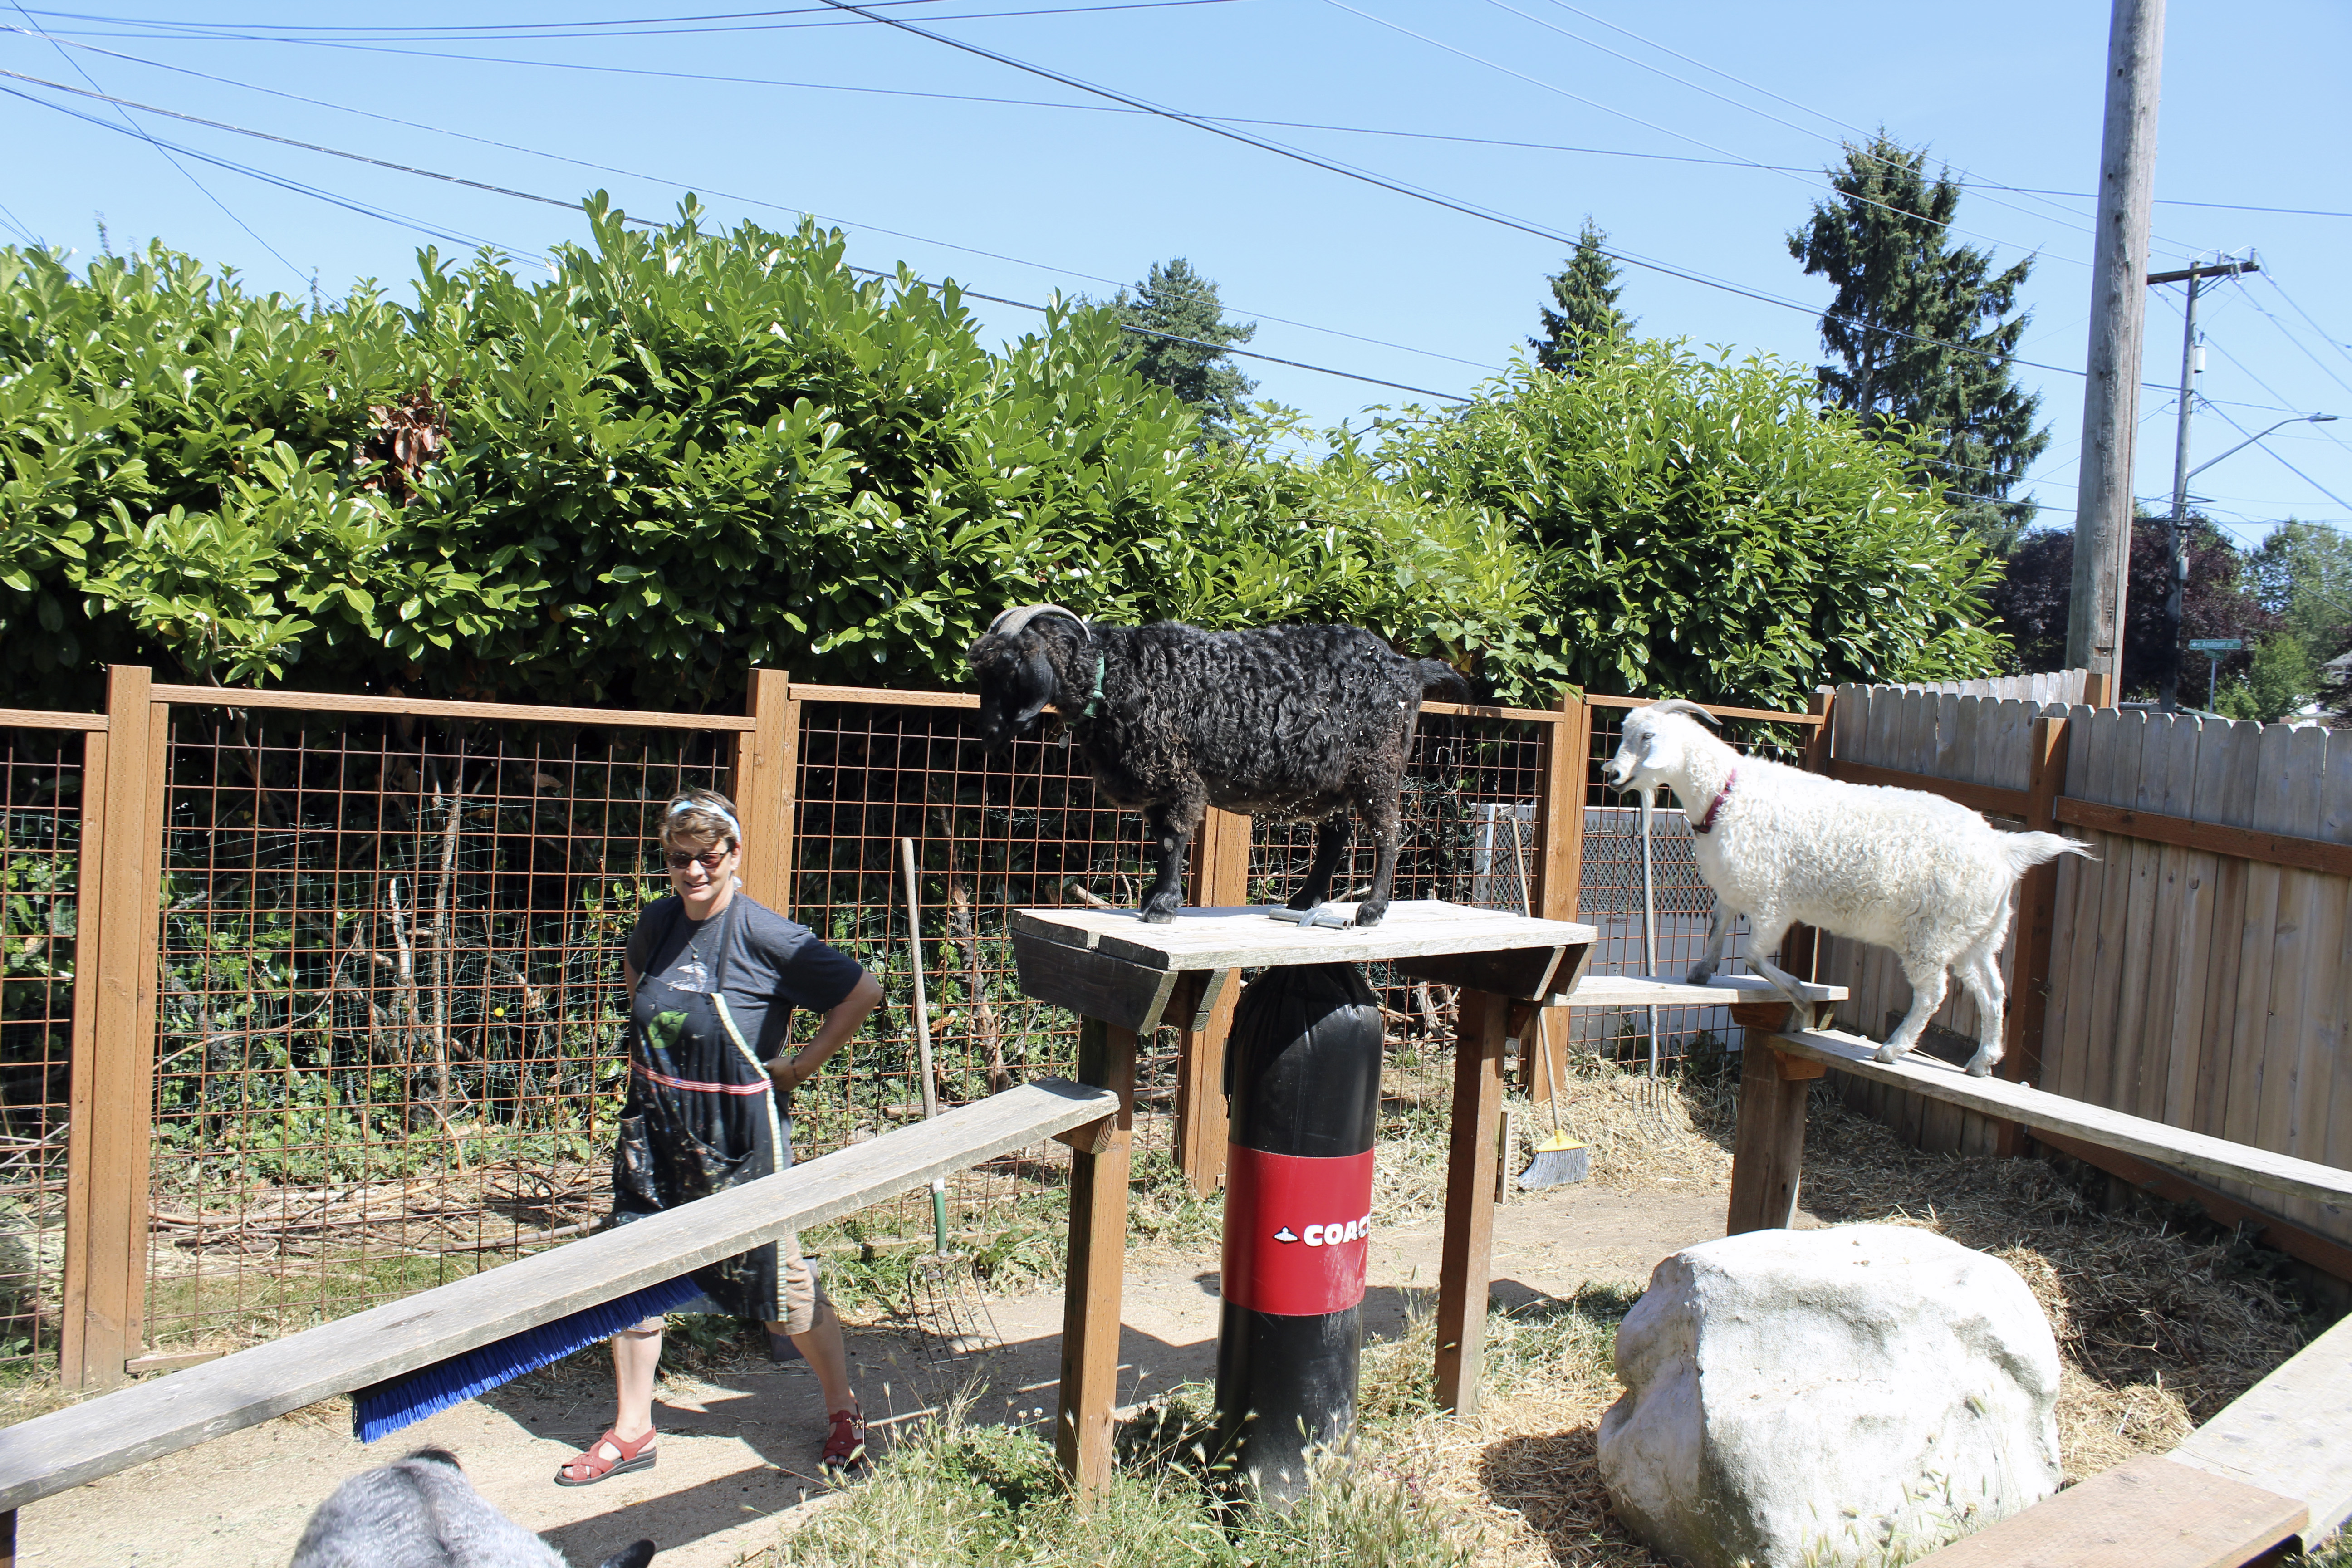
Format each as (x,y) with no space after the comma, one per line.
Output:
(2194,974)
(145,1256)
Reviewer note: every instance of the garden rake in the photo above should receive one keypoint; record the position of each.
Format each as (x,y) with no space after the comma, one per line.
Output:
(943,1298)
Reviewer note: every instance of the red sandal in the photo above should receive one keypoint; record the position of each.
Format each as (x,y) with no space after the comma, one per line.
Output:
(845,1446)
(607,1456)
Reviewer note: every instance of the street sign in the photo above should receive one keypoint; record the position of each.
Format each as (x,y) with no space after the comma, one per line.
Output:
(2217,645)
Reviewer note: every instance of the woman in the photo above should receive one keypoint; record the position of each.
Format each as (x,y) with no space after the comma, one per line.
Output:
(713,977)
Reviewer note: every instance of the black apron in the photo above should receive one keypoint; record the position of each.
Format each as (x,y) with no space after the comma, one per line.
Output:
(701,1113)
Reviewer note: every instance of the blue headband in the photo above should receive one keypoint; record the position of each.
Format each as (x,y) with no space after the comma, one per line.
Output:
(721,812)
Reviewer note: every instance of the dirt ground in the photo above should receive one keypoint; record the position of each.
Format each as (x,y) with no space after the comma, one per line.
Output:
(739,1451)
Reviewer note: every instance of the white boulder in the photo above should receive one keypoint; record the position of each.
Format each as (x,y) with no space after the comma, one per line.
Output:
(1822,1396)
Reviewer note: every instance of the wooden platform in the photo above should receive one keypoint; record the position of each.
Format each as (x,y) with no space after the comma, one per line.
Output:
(1250,937)
(1109,965)
(1124,978)
(1723,991)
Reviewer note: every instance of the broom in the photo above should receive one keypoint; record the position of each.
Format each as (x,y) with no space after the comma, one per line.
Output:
(385,1407)
(1559,1159)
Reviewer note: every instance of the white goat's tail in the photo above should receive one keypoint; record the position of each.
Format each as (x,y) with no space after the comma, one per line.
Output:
(2029,849)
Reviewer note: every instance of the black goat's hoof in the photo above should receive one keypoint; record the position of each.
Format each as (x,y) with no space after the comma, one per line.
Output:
(1700,974)
(1161,911)
(1303,901)
(1371,914)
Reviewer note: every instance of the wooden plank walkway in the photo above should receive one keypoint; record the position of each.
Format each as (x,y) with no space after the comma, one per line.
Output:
(52,1453)
(2032,1108)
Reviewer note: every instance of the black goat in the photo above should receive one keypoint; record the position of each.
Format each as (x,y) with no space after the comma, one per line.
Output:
(1296,722)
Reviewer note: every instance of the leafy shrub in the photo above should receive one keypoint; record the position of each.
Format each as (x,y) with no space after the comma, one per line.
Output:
(1703,526)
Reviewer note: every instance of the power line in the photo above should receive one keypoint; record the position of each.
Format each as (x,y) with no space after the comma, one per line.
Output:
(158,146)
(1452,204)
(498,31)
(365,209)
(2330,339)
(1635,119)
(752,201)
(1968,177)
(574,206)
(2290,467)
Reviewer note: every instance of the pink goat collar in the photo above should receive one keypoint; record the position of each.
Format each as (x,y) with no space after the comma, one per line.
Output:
(1707,823)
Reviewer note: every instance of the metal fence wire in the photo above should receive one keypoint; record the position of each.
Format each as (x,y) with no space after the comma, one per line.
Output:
(392,1021)
(390,1039)
(41,779)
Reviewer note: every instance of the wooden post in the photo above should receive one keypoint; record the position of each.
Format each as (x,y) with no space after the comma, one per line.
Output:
(1466,1262)
(1560,875)
(112,1094)
(2036,923)
(1769,1146)
(89,880)
(766,759)
(1090,1302)
(1221,879)
(1801,948)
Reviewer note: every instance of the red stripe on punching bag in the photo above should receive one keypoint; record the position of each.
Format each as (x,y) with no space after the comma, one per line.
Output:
(1297,1231)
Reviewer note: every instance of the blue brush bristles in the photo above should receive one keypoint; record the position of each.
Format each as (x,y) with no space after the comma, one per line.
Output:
(387,1406)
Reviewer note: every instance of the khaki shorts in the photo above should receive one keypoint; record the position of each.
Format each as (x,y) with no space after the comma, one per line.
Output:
(796,1282)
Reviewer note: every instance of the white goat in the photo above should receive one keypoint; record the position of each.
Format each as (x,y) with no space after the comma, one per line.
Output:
(1900,868)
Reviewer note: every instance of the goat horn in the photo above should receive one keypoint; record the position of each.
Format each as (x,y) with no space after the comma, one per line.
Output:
(1013,621)
(1679,705)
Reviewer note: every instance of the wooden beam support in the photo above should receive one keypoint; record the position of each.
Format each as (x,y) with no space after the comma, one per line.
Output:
(1525,972)
(2321,854)
(1098,1261)
(1466,1262)
(2145,1513)
(1768,1147)
(1222,855)
(1092,984)
(2037,916)
(1567,749)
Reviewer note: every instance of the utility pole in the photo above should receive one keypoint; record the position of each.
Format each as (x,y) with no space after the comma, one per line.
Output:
(2176,574)
(2103,514)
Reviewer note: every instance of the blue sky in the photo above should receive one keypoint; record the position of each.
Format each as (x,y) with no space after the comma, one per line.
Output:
(1060,190)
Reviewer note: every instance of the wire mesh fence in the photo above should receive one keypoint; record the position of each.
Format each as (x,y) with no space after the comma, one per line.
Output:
(990,834)
(390,1013)
(391,1033)
(41,777)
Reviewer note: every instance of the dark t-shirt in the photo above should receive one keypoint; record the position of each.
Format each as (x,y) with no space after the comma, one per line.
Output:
(771,964)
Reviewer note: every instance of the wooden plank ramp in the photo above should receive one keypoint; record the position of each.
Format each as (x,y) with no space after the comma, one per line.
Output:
(53,1453)
(2291,1432)
(2032,1108)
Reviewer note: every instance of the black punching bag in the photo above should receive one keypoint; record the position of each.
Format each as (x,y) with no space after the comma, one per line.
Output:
(1303,1068)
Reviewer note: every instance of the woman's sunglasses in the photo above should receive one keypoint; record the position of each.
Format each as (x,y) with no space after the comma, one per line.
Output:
(710,859)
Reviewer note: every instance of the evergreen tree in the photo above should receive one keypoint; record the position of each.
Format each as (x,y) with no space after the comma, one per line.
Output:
(1175,300)
(1923,332)
(1585,292)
